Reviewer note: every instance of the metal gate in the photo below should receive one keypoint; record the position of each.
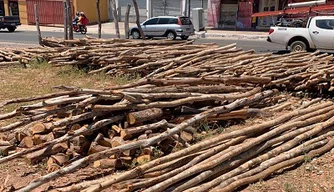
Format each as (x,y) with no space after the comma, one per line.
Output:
(50,12)
(244,19)
(132,17)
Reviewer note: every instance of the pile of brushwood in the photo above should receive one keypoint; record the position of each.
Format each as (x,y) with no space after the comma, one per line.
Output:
(150,130)
(126,125)
(299,71)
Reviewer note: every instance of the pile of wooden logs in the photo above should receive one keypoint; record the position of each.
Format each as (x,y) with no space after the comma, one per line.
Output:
(13,58)
(152,127)
(168,59)
(127,125)
(231,160)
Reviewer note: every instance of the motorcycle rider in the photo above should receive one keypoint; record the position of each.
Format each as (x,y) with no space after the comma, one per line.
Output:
(76,20)
(83,21)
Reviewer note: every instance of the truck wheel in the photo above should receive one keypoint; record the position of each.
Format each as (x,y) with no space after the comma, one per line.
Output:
(298,46)
(11,29)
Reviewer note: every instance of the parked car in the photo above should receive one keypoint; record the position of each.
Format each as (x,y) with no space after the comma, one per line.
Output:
(9,22)
(318,34)
(165,26)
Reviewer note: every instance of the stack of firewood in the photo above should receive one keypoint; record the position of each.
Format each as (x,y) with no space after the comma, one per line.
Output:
(231,160)
(130,124)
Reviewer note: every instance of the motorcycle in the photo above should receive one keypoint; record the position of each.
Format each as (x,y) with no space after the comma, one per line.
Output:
(79,28)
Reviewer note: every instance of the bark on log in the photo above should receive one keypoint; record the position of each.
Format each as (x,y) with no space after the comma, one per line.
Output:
(144,115)
(37,156)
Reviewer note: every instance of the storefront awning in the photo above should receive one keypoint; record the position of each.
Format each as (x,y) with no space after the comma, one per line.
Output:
(295,11)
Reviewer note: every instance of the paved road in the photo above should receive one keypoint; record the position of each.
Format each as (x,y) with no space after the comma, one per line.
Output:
(29,37)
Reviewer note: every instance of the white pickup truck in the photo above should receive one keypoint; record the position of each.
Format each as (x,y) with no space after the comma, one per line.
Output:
(318,34)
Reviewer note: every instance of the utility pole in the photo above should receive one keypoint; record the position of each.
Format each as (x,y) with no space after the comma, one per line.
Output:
(189,7)
(149,8)
(184,7)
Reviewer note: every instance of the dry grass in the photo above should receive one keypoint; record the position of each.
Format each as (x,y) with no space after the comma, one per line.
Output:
(41,77)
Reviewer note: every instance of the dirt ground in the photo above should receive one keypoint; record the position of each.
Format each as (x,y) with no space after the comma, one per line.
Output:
(316,175)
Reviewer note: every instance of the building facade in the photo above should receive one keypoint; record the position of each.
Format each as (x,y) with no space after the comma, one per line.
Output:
(51,12)
(236,14)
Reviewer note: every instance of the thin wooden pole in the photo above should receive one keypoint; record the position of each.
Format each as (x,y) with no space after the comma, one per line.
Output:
(135,4)
(37,25)
(126,21)
(115,15)
(65,21)
(70,27)
(98,17)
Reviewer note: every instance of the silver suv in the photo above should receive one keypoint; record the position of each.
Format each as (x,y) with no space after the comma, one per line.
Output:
(165,26)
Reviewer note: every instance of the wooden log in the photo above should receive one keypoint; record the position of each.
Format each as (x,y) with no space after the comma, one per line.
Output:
(4,143)
(144,159)
(27,142)
(144,115)
(95,148)
(108,163)
(52,165)
(38,139)
(80,144)
(37,156)
(141,129)
(4,150)
(39,128)
(187,137)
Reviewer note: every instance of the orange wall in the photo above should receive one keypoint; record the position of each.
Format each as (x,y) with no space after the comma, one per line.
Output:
(89,8)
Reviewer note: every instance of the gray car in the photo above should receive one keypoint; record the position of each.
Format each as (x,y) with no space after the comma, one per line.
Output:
(165,26)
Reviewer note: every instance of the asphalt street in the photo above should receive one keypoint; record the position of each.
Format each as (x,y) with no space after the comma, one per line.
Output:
(30,37)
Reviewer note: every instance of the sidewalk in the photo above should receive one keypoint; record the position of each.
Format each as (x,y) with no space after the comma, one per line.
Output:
(108,28)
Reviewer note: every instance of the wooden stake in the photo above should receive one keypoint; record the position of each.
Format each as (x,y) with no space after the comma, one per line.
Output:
(126,21)
(69,21)
(65,21)
(135,4)
(98,17)
(37,25)
(115,15)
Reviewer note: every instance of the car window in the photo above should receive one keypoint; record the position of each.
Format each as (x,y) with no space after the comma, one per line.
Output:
(185,21)
(325,24)
(151,21)
(163,21)
(173,21)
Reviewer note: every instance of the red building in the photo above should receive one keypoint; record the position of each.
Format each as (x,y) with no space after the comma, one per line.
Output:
(237,14)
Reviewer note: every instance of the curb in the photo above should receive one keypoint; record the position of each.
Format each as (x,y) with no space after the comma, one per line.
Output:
(230,36)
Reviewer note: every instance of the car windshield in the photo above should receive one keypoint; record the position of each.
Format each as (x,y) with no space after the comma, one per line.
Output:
(185,21)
